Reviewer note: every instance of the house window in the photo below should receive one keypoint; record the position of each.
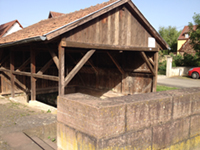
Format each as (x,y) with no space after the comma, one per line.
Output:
(186,35)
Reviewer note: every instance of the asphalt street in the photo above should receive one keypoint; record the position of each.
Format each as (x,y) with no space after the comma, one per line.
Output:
(181,82)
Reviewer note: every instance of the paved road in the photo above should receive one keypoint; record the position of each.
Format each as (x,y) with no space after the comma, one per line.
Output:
(178,82)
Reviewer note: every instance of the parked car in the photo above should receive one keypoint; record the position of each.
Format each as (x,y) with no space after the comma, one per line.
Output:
(194,72)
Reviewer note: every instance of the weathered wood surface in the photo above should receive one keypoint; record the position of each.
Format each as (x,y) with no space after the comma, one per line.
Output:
(12,77)
(46,66)
(116,63)
(79,23)
(61,70)
(54,57)
(156,72)
(119,27)
(147,62)
(106,47)
(33,70)
(80,64)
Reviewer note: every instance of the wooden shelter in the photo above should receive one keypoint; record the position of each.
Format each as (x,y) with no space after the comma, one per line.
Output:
(95,50)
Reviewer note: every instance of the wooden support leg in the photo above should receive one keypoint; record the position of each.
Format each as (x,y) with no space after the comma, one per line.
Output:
(61,70)
(156,72)
(33,80)
(12,77)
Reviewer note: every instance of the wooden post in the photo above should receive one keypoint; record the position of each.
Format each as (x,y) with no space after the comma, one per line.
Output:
(156,72)
(61,70)
(12,77)
(33,80)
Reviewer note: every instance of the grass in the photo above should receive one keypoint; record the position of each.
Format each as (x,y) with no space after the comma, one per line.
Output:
(165,88)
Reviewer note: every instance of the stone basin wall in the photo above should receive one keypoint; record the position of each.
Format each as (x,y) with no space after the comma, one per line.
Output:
(162,120)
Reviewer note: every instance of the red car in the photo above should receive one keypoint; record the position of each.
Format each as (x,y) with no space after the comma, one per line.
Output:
(194,72)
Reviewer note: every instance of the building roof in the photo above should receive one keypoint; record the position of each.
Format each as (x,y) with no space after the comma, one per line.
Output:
(48,25)
(187,47)
(6,26)
(50,28)
(53,14)
(185,30)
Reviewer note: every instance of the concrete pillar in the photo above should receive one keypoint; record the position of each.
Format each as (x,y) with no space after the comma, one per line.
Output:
(169,66)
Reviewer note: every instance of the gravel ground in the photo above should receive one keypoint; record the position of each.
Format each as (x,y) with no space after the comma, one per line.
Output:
(15,117)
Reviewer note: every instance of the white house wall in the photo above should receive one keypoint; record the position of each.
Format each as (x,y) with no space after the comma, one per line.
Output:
(14,28)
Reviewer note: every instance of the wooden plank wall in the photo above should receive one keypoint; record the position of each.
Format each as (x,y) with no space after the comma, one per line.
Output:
(118,27)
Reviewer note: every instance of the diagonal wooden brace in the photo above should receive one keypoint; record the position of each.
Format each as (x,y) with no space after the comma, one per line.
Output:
(80,64)
(147,62)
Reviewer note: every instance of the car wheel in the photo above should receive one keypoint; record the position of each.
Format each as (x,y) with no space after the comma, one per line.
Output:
(195,75)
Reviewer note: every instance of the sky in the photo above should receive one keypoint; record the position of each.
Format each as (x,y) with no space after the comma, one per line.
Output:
(175,13)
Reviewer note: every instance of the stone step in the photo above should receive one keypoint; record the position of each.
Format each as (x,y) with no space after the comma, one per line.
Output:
(43,144)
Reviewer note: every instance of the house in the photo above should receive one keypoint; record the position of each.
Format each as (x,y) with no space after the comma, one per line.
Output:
(107,48)
(183,41)
(53,14)
(10,27)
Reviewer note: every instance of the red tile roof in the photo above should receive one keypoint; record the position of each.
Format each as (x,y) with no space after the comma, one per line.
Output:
(48,25)
(53,14)
(6,26)
(185,30)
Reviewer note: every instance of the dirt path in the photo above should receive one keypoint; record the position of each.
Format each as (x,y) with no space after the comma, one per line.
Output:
(15,117)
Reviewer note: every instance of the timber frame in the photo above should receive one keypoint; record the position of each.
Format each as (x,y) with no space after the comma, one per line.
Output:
(106,50)
(59,63)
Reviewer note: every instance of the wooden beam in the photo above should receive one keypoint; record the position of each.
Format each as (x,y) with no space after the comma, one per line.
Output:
(7,73)
(151,61)
(61,70)
(12,77)
(147,88)
(106,47)
(75,64)
(33,80)
(156,72)
(46,66)
(54,57)
(22,73)
(147,62)
(91,64)
(78,66)
(24,64)
(115,62)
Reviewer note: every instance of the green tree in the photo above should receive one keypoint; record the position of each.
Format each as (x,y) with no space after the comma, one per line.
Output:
(170,35)
(195,33)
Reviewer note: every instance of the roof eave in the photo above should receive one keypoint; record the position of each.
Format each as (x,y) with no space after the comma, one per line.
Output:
(24,41)
(161,41)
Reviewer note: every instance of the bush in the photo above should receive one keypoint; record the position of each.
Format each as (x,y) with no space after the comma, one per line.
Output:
(186,60)
(162,67)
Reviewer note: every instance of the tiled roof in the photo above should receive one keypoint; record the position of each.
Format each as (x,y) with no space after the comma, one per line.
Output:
(48,25)
(6,26)
(185,30)
(53,14)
